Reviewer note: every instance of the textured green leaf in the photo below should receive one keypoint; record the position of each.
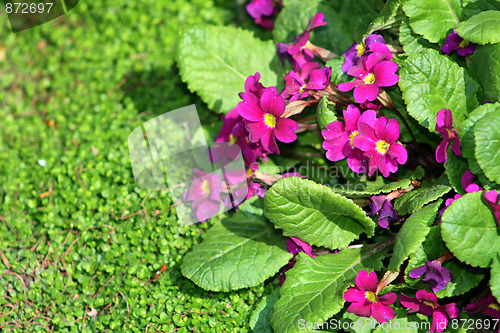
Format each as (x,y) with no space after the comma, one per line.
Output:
(484,66)
(487,149)
(260,321)
(314,288)
(390,15)
(469,230)
(215,62)
(431,82)
(325,112)
(310,211)
(416,199)
(473,7)
(432,18)
(466,135)
(495,277)
(240,252)
(483,28)
(411,42)
(463,280)
(412,234)
(293,18)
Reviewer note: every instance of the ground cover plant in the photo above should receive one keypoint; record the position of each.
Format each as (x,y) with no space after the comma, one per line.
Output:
(80,243)
(370,136)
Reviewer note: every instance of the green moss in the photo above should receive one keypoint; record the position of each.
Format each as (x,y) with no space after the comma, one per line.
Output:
(77,236)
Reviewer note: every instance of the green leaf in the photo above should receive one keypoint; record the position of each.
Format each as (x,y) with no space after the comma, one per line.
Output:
(260,321)
(416,199)
(484,66)
(482,28)
(412,234)
(431,82)
(293,18)
(455,168)
(487,140)
(469,230)
(466,134)
(463,280)
(313,290)
(495,277)
(473,7)
(241,251)
(310,211)
(389,16)
(432,18)
(411,42)
(325,112)
(213,65)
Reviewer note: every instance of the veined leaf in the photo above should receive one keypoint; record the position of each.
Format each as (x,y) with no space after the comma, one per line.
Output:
(483,28)
(487,149)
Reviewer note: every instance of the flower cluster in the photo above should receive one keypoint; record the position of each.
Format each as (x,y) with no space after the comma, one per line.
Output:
(444,123)
(369,143)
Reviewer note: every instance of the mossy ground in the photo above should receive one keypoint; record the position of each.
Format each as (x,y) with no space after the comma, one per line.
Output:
(79,241)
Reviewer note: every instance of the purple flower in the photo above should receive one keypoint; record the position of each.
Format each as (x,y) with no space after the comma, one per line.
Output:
(204,192)
(426,304)
(285,269)
(488,306)
(263,119)
(339,138)
(366,303)
(295,245)
(444,123)
(381,205)
(435,274)
(303,38)
(455,42)
(308,77)
(379,144)
(262,11)
(371,73)
(297,60)
(372,43)
(492,198)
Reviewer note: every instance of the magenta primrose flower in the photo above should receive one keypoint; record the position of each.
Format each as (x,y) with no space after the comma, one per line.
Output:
(339,138)
(262,11)
(263,119)
(380,147)
(444,123)
(366,303)
(371,73)
(308,77)
(372,43)
(435,274)
(303,38)
(426,304)
(205,192)
(295,245)
(488,306)
(456,43)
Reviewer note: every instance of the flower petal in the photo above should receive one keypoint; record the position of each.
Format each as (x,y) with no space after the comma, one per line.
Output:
(285,130)
(272,103)
(385,74)
(382,312)
(365,92)
(365,281)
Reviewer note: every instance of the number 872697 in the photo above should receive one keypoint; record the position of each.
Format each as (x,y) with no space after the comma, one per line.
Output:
(28,8)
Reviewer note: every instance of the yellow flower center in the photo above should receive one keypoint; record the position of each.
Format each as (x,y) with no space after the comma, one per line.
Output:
(429,304)
(382,147)
(232,139)
(351,137)
(205,187)
(369,79)
(270,120)
(303,88)
(494,306)
(370,296)
(361,49)
(464,43)
(249,173)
